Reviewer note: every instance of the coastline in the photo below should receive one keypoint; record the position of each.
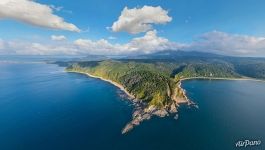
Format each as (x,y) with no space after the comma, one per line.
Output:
(122,88)
(109,81)
(213,78)
(186,99)
(141,112)
(177,100)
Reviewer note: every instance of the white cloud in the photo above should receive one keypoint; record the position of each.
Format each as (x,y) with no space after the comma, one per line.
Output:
(138,20)
(58,37)
(101,46)
(34,13)
(214,42)
(229,44)
(149,43)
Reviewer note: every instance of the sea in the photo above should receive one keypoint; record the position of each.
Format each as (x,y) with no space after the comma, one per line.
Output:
(42,107)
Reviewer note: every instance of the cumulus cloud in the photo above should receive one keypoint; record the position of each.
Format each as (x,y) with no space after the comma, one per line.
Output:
(149,43)
(229,44)
(138,20)
(214,42)
(58,37)
(34,13)
(101,46)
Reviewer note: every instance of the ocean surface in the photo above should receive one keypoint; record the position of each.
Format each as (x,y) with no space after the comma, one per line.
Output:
(44,108)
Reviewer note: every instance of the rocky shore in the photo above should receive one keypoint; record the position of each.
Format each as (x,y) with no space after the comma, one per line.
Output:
(144,112)
(141,114)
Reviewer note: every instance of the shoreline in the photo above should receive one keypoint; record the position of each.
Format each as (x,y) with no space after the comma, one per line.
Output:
(213,78)
(141,112)
(122,88)
(187,100)
(109,81)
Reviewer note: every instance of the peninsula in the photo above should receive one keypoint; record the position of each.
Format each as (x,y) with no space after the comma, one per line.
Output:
(151,90)
(153,82)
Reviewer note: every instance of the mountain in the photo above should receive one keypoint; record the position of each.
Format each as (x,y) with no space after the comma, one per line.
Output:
(170,54)
(200,62)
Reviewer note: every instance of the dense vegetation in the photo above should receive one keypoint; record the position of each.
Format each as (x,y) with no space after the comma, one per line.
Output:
(145,81)
(198,64)
(153,78)
(250,68)
(207,70)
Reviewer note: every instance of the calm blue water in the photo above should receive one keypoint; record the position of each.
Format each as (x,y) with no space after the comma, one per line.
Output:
(44,108)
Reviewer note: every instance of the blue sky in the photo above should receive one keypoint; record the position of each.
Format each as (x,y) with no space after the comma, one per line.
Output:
(190,20)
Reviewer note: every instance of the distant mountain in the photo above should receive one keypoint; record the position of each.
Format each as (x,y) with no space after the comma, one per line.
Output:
(71,60)
(245,66)
(190,63)
(94,58)
(170,54)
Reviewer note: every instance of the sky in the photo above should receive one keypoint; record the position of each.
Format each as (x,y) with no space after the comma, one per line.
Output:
(113,27)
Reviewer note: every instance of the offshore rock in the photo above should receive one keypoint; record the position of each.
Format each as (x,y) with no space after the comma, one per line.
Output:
(176,117)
